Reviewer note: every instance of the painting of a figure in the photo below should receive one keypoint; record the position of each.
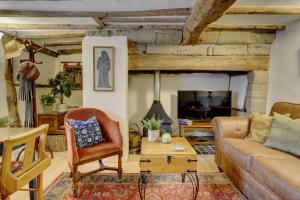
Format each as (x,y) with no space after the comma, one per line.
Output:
(103,68)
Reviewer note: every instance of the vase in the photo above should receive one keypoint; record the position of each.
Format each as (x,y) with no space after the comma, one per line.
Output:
(47,109)
(166,138)
(153,135)
(62,107)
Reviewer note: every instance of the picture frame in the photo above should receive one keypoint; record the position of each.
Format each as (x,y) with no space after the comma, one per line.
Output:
(103,63)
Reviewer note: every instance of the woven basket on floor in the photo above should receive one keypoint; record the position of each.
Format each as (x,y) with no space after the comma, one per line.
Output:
(57,143)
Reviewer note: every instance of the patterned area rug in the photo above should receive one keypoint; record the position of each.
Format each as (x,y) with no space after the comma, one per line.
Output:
(160,187)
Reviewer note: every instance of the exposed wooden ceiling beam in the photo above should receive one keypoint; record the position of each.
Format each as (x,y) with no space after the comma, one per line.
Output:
(245,27)
(250,10)
(269,10)
(203,13)
(99,21)
(143,27)
(194,63)
(47,26)
(86,27)
(144,20)
(54,36)
(55,44)
(142,13)
(69,51)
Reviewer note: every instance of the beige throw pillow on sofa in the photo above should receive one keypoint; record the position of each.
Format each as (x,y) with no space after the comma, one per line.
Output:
(260,127)
(285,134)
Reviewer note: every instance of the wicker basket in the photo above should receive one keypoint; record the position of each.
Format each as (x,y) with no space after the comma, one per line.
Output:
(57,143)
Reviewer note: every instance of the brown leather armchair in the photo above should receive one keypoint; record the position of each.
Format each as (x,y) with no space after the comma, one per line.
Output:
(112,145)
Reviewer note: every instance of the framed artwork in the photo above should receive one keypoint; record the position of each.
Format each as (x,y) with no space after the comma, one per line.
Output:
(103,68)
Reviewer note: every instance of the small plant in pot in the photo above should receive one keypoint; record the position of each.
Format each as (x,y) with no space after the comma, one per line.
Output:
(62,86)
(47,101)
(153,127)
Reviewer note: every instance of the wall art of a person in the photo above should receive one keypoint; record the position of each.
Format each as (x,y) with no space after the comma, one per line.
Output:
(103,67)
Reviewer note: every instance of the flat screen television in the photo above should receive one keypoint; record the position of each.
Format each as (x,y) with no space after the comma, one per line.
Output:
(203,105)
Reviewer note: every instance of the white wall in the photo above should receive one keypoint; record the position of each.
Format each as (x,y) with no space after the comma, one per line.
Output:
(114,103)
(284,81)
(141,90)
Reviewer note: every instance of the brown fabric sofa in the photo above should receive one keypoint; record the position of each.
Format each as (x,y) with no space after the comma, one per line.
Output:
(258,171)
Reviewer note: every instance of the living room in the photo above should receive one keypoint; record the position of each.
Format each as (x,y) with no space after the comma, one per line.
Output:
(181,93)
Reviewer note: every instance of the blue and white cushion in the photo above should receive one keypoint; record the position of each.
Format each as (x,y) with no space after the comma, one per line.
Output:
(87,133)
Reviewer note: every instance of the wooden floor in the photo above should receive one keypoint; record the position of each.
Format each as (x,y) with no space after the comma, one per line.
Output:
(59,164)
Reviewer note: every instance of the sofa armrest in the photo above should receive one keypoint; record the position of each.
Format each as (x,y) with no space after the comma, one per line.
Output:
(228,127)
(231,127)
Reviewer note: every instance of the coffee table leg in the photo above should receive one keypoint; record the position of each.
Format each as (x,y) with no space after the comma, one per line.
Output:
(182,177)
(193,176)
(142,184)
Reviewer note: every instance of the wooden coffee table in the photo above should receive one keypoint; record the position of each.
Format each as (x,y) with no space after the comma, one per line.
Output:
(158,158)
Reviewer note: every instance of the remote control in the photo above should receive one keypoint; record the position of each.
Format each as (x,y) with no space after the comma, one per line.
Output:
(178,147)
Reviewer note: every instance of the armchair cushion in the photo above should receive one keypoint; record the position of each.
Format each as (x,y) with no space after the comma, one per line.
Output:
(87,133)
(99,151)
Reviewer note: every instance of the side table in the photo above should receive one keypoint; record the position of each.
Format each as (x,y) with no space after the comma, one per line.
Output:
(56,122)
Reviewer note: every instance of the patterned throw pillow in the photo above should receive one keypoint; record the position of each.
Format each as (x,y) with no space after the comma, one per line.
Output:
(87,133)
(260,127)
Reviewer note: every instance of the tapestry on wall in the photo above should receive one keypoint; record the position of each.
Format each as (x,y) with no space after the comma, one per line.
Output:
(103,68)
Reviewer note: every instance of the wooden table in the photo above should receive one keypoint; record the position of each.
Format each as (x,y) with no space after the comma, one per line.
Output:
(11,132)
(196,126)
(158,158)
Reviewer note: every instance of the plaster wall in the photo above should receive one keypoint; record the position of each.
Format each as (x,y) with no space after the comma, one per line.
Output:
(284,81)
(114,102)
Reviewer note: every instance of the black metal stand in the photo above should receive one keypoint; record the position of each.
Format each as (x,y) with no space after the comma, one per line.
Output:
(142,184)
(192,175)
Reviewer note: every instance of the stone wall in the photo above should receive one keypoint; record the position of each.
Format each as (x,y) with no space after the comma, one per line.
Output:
(214,43)
(257,92)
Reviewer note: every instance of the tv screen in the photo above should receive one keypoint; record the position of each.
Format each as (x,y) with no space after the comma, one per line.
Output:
(203,105)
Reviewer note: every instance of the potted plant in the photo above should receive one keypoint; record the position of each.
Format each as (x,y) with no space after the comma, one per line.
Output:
(62,86)
(47,101)
(153,127)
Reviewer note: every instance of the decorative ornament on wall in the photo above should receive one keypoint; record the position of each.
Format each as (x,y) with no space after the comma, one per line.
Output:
(103,68)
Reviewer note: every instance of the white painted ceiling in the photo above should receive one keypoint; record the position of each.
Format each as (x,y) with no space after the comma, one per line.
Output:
(134,5)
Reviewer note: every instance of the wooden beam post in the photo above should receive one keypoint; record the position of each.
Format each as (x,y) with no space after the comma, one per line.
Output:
(203,13)
(11,96)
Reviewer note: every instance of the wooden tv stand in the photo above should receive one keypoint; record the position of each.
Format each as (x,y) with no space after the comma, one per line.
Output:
(196,126)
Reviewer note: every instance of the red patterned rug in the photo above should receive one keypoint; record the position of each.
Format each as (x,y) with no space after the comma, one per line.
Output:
(160,187)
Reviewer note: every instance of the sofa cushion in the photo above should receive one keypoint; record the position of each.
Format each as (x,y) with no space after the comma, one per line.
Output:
(260,127)
(279,175)
(285,134)
(241,151)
